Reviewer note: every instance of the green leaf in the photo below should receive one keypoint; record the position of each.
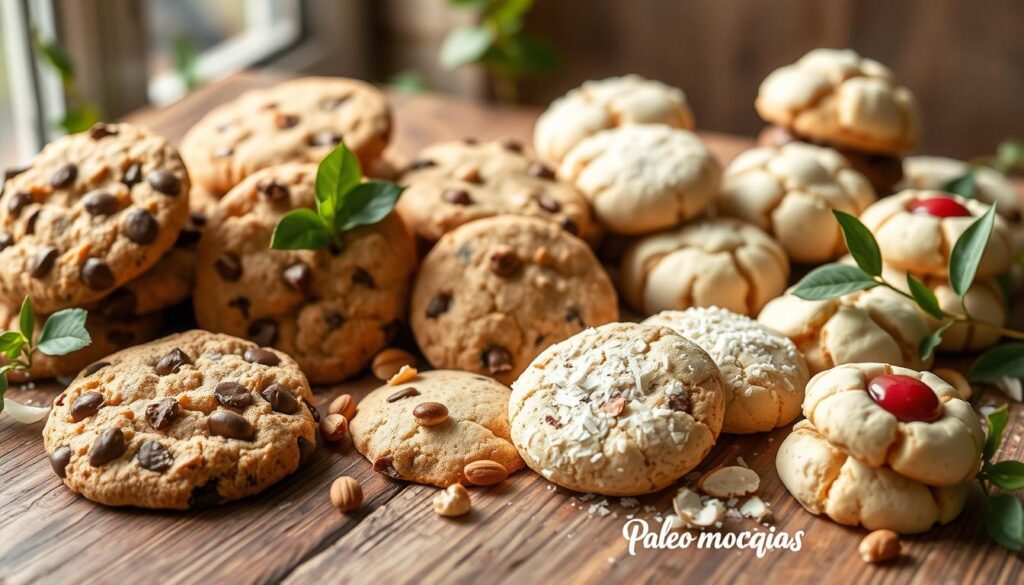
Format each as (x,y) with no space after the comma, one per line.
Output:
(54,56)
(11,343)
(1004,520)
(522,55)
(27,320)
(64,332)
(465,45)
(924,297)
(1008,475)
(367,203)
(1002,361)
(3,389)
(932,341)
(967,252)
(964,185)
(186,57)
(831,281)
(860,242)
(508,15)
(300,229)
(1010,155)
(997,420)
(408,81)
(337,174)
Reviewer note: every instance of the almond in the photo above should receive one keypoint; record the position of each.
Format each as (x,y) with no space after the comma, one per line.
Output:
(485,472)
(389,361)
(404,374)
(880,546)
(695,512)
(453,501)
(756,508)
(346,494)
(334,427)
(730,481)
(344,405)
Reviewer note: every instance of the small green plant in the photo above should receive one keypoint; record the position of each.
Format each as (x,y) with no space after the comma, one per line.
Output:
(79,115)
(1009,157)
(1004,515)
(186,57)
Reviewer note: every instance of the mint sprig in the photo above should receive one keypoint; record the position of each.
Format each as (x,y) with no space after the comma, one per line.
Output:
(343,202)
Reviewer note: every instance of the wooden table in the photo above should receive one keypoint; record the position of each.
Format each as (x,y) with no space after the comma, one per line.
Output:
(522,531)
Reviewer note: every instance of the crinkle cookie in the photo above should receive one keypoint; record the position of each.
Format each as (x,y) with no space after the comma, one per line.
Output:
(452,183)
(390,436)
(300,120)
(332,310)
(722,262)
(990,186)
(876,325)
(188,421)
(913,422)
(623,409)
(826,480)
(607,103)
(840,97)
(91,212)
(790,192)
(495,292)
(764,372)
(916,230)
(643,177)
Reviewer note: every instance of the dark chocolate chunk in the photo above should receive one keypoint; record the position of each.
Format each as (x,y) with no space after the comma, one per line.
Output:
(457,196)
(141,227)
(403,393)
(108,446)
(59,460)
(230,425)
(100,203)
(96,274)
(229,267)
(497,360)
(233,395)
(162,413)
(263,332)
(171,362)
(64,176)
(164,181)
(280,399)
(42,264)
(263,357)
(154,456)
(86,405)
(438,305)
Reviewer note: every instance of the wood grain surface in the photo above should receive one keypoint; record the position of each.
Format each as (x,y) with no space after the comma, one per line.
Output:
(523,531)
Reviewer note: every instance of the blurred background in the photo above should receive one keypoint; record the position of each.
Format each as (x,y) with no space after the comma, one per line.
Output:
(66,63)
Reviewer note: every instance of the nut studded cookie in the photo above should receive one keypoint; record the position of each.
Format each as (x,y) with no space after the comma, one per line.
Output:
(722,262)
(91,212)
(826,480)
(188,421)
(623,409)
(790,192)
(495,292)
(764,372)
(990,186)
(452,183)
(300,120)
(607,103)
(916,230)
(643,177)
(331,310)
(388,433)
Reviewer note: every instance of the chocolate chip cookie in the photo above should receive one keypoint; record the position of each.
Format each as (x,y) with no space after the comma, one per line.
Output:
(332,310)
(495,292)
(91,212)
(188,421)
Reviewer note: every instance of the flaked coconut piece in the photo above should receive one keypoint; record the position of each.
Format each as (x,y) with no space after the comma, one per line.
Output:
(730,481)
(755,508)
(694,512)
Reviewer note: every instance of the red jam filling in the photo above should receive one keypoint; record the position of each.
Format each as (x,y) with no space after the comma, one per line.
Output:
(907,398)
(939,207)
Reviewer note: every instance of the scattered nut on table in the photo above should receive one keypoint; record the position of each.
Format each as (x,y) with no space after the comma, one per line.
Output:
(389,361)
(429,414)
(880,546)
(346,494)
(730,481)
(405,374)
(453,501)
(485,472)
(344,405)
(334,427)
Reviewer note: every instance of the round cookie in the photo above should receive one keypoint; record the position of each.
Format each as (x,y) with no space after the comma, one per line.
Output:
(452,183)
(990,186)
(917,238)
(643,177)
(764,372)
(495,292)
(331,310)
(877,325)
(191,420)
(620,410)
(91,212)
(387,433)
(722,262)
(826,480)
(607,103)
(300,120)
(790,192)
(945,451)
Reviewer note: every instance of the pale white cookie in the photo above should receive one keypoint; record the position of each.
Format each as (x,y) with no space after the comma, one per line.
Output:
(840,97)
(790,192)
(825,480)
(643,177)
(607,103)
(764,372)
(622,409)
(990,186)
(722,262)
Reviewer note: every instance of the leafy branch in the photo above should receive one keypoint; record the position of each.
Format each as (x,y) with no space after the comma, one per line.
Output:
(1004,515)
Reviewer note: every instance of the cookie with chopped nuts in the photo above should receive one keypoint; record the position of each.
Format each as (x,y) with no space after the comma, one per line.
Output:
(91,212)
(332,310)
(452,183)
(191,420)
(495,292)
(390,431)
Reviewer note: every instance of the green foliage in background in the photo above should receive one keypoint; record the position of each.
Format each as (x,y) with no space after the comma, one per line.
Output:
(1009,157)
(185,58)
(79,115)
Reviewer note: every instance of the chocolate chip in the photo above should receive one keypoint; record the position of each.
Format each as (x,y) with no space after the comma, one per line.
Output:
(552,421)
(312,410)
(6,240)
(242,304)
(59,460)
(324,138)
(573,314)
(141,227)
(86,405)
(263,357)
(280,399)
(570,226)
(497,359)
(457,196)
(108,446)
(64,176)
(164,181)
(422,163)
(96,274)
(403,393)
(470,140)
(187,238)
(30,223)
(306,448)
(154,456)
(197,219)
(263,332)
(386,466)
(230,425)
(540,171)
(439,305)
(161,414)
(232,394)
(100,203)
(132,175)
(284,121)
(17,202)
(171,362)
(93,368)
(332,103)
(204,496)
(100,130)
(513,145)
(548,203)
(273,190)
(299,277)
(680,402)
(503,261)
(42,264)
(361,276)
(229,267)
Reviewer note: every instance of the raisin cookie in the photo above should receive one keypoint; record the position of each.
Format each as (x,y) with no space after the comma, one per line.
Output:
(452,183)
(620,410)
(300,120)
(91,212)
(495,292)
(390,436)
(723,262)
(607,103)
(764,372)
(331,310)
(191,420)
(643,177)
